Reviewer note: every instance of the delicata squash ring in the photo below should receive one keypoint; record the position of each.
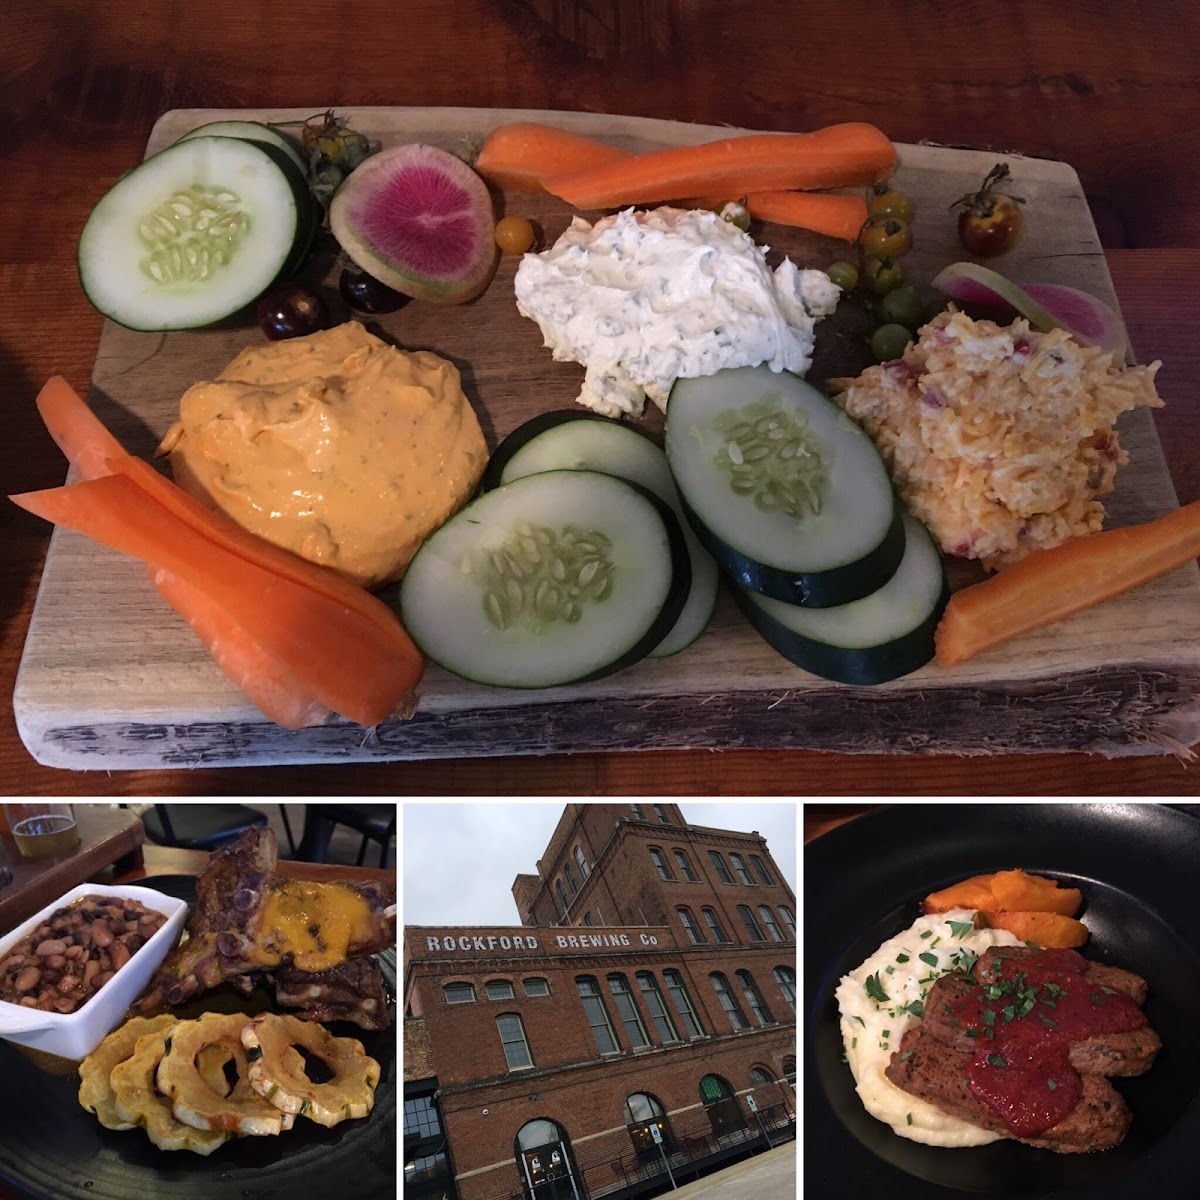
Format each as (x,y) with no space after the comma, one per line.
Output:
(95,1088)
(194,1100)
(279,1076)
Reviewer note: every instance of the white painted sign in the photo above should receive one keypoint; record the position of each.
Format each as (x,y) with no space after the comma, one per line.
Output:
(463,943)
(656,1134)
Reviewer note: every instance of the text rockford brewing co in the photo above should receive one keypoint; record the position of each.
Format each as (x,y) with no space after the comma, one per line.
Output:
(588,941)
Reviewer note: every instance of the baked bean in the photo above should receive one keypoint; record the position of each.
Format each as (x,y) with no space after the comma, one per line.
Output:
(50,946)
(120,955)
(75,952)
(90,970)
(101,934)
(68,983)
(55,962)
(28,978)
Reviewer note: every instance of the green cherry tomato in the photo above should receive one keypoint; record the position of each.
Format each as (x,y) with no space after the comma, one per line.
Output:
(887,238)
(931,300)
(882,275)
(890,341)
(844,274)
(896,205)
(737,214)
(902,306)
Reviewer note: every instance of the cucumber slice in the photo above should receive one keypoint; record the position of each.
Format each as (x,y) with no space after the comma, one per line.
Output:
(881,637)
(782,488)
(251,131)
(194,234)
(572,440)
(559,577)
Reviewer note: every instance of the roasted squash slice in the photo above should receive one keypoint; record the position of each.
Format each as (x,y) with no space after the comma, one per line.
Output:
(95,1088)
(137,1102)
(193,1100)
(276,1075)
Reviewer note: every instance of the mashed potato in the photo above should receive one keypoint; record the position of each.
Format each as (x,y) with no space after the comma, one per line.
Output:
(884,996)
(999,438)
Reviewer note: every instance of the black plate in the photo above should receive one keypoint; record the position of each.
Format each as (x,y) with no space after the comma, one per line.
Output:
(51,1149)
(1138,866)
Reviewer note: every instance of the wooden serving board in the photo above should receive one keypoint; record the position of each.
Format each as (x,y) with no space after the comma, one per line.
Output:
(112,679)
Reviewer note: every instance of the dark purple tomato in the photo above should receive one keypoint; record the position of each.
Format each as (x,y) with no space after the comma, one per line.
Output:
(291,310)
(364,293)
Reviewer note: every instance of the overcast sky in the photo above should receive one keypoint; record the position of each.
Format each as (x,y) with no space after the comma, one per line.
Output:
(460,859)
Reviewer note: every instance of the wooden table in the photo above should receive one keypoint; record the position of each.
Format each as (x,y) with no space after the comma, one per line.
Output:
(1110,88)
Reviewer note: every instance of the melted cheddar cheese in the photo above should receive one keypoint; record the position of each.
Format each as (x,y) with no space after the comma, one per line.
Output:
(315,923)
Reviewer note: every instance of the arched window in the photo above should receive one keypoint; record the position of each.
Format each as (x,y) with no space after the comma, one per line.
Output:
(769,921)
(729,1003)
(584,869)
(724,1112)
(537,986)
(789,1070)
(710,919)
(788,920)
(756,934)
(762,1014)
(655,1006)
(641,1112)
(627,1010)
(545,1158)
(740,868)
(459,993)
(761,871)
(685,867)
(683,1004)
(689,926)
(562,896)
(719,866)
(597,1014)
(499,989)
(660,863)
(760,1077)
(786,978)
(514,1042)
(571,879)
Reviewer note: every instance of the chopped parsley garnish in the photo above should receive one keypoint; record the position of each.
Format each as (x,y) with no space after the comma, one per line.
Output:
(902,958)
(960,929)
(875,988)
(1052,1083)
(910,1118)
(1109,991)
(972,1033)
(935,941)
(853,1043)
(906,1055)
(996,1060)
(890,970)
(917,1008)
(989,1016)
(887,1033)
(1047,1022)
(1098,1000)
(927,934)
(929,959)
(859,1020)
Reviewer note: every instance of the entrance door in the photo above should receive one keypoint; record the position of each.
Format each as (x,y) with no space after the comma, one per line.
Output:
(548,1172)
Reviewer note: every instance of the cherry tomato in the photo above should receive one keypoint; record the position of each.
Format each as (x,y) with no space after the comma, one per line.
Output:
(890,341)
(897,205)
(882,275)
(514,235)
(844,274)
(901,306)
(990,222)
(888,238)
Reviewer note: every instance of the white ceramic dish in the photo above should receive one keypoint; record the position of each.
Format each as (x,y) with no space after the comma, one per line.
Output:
(75,1035)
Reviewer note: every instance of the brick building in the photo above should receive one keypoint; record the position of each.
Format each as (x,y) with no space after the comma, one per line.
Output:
(640,1018)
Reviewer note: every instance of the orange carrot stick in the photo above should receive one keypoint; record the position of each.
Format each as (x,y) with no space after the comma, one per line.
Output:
(76,430)
(1052,584)
(837,156)
(835,215)
(518,156)
(344,660)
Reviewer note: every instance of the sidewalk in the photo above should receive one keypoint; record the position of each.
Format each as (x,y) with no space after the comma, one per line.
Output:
(769,1176)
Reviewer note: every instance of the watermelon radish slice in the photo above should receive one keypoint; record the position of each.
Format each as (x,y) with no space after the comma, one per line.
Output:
(1045,306)
(419,220)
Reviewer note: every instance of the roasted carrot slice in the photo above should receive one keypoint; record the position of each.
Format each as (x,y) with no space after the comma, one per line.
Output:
(348,662)
(76,430)
(518,156)
(1052,584)
(837,156)
(269,685)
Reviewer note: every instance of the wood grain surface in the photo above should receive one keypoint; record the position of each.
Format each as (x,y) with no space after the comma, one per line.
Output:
(1110,88)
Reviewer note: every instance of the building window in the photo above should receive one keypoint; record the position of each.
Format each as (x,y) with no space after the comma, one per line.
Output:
(421,1117)
(729,1003)
(587,919)
(661,813)
(653,1000)
(789,1070)
(562,896)
(760,1077)
(788,920)
(641,1112)
(711,921)
(764,876)
(512,1038)
(660,864)
(584,869)
(689,926)
(426,1168)
(637,812)
(685,867)
(683,1004)
(547,1165)
(537,987)
(762,1014)
(597,1015)
(719,863)
(459,993)
(786,978)
(756,934)
(627,1010)
(740,868)
(499,989)
(570,876)
(720,1104)
(769,922)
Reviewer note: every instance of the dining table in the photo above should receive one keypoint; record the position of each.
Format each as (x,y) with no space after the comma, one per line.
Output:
(1110,87)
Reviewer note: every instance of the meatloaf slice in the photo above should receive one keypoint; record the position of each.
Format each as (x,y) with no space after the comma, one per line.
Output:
(1128,1053)
(1097,974)
(926,1067)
